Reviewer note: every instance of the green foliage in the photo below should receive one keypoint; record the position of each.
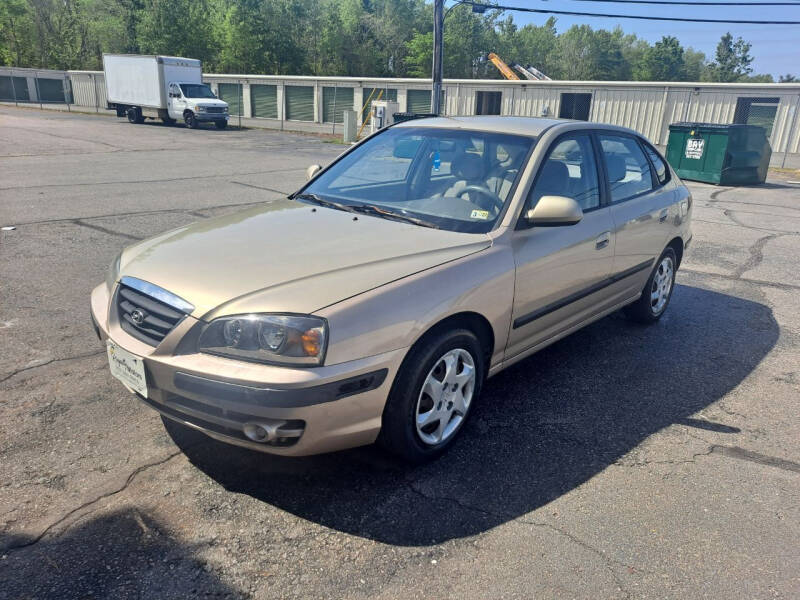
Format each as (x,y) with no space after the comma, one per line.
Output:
(788,78)
(664,61)
(363,38)
(732,62)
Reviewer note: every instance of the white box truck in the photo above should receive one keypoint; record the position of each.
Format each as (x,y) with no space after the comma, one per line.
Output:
(169,88)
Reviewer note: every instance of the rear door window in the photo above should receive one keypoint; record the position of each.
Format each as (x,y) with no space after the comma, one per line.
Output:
(626,165)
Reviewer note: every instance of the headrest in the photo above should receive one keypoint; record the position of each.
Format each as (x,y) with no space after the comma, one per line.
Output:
(553,178)
(468,167)
(617,170)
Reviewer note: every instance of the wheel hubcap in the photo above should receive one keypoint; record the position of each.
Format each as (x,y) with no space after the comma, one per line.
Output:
(662,285)
(445,397)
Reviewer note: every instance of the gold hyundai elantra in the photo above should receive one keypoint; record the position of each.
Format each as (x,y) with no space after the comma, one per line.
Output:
(375,302)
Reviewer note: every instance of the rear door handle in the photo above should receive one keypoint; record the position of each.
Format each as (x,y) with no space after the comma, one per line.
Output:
(602,240)
(663,216)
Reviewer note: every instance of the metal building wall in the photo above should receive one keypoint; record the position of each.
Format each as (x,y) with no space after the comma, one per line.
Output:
(647,107)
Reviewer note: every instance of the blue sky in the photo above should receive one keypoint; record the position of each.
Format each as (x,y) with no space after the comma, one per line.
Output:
(776,48)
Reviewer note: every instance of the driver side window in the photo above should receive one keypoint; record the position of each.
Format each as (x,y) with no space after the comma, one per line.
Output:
(570,170)
(174,90)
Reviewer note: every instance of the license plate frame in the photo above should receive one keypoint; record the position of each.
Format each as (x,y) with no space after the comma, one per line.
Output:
(127,367)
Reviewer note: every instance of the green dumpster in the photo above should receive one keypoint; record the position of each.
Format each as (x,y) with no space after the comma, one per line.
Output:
(720,154)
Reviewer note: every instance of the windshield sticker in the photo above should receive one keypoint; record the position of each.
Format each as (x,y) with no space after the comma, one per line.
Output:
(479,214)
(437,161)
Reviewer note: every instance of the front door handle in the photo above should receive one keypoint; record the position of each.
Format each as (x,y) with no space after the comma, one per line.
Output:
(663,216)
(603,240)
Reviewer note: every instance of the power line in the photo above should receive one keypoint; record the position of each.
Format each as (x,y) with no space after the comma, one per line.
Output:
(686,3)
(483,7)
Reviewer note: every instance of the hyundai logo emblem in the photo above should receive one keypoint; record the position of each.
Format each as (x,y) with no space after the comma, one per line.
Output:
(137,316)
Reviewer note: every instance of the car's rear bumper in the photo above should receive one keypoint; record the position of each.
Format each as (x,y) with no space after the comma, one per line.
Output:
(305,410)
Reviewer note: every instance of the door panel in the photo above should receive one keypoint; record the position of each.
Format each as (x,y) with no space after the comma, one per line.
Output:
(562,273)
(640,213)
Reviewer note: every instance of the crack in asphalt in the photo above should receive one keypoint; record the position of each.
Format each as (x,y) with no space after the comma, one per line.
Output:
(139,213)
(607,560)
(758,282)
(36,539)
(102,229)
(49,362)
(138,181)
(260,187)
(646,463)
(756,255)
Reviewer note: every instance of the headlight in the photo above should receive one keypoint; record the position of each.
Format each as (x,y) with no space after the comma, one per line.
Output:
(226,109)
(200,108)
(280,339)
(113,272)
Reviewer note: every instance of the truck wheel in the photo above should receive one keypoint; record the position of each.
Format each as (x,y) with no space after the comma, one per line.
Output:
(135,115)
(221,124)
(190,120)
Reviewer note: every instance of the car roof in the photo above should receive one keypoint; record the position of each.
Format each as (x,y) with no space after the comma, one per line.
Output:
(533,126)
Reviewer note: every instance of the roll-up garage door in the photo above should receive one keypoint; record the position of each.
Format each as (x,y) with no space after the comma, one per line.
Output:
(18,89)
(232,94)
(419,101)
(264,101)
(299,103)
(342,97)
(50,90)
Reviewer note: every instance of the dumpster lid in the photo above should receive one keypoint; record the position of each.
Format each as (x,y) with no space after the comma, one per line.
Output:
(713,126)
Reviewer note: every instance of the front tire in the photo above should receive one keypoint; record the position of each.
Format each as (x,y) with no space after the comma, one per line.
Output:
(191,120)
(657,291)
(432,395)
(135,115)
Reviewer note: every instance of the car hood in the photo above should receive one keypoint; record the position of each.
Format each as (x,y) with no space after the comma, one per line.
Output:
(287,256)
(207,102)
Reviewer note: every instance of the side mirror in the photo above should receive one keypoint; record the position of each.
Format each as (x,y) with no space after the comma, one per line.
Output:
(311,171)
(554,211)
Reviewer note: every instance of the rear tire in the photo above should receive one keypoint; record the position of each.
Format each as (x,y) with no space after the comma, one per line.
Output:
(135,115)
(657,291)
(221,124)
(437,385)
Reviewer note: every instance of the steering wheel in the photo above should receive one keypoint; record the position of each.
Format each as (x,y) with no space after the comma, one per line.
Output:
(485,193)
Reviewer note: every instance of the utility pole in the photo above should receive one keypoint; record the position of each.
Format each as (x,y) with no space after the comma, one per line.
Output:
(438,26)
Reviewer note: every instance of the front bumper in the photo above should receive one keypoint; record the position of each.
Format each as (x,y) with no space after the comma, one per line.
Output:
(211,116)
(305,410)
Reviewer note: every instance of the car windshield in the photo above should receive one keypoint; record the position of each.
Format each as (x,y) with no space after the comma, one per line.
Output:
(197,90)
(447,178)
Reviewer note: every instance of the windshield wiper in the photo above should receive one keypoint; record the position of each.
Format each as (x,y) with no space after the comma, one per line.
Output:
(322,202)
(371,209)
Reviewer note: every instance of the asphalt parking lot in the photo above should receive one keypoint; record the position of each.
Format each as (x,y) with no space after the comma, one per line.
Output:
(621,462)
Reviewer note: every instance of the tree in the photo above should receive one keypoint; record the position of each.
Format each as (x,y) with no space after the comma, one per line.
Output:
(664,61)
(16,31)
(695,65)
(732,61)
(787,79)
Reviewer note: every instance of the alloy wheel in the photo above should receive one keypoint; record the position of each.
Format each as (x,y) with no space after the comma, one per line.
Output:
(445,397)
(662,285)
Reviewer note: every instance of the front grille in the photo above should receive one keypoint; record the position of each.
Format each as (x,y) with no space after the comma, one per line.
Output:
(145,318)
(215,109)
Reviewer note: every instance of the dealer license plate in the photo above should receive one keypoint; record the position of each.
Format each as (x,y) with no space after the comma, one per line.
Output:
(127,367)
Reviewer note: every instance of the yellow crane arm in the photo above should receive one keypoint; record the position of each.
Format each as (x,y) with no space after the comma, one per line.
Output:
(502,67)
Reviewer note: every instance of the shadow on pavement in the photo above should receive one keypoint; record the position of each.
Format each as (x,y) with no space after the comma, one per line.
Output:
(541,428)
(125,554)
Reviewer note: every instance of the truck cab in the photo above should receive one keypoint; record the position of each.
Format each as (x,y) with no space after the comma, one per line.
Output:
(196,103)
